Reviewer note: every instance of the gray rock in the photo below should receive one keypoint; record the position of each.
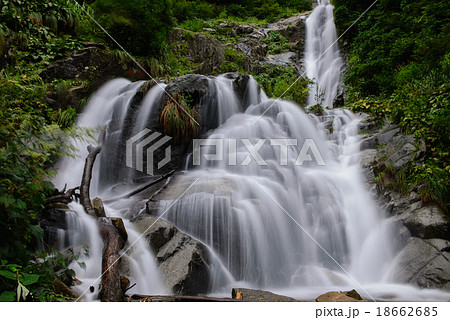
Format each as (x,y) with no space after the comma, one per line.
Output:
(183,261)
(286,59)
(97,204)
(429,222)
(52,222)
(368,142)
(157,231)
(425,263)
(252,295)
(243,29)
(387,136)
(210,30)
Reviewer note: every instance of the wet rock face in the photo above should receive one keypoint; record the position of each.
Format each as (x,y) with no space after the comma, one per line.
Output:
(183,261)
(428,222)
(53,221)
(422,231)
(203,95)
(425,263)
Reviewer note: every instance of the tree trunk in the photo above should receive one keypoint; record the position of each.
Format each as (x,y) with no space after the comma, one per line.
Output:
(110,286)
(86,180)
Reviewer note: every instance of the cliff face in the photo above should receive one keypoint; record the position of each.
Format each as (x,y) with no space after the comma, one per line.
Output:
(422,230)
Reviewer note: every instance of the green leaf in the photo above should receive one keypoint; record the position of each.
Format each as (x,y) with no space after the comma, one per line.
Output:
(7,296)
(8,274)
(28,279)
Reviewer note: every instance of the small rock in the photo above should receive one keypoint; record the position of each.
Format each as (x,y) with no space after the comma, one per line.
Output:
(124,283)
(251,295)
(118,223)
(97,204)
(210,30)
(61,288)
(336,296)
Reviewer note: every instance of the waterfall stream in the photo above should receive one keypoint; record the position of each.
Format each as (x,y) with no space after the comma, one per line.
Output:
(292,227)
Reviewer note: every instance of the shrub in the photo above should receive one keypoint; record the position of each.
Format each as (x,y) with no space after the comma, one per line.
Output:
(140,26)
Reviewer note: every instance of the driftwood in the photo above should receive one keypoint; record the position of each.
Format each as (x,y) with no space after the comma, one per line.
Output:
(86,181)
(110,286)
(139,190)
(113,239)
(63,196)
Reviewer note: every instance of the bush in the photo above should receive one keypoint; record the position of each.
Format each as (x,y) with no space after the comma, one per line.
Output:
(140,26)
(279,81)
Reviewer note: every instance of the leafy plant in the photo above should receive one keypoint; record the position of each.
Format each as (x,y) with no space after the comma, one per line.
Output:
(179,119)
(277,43)
(283,82)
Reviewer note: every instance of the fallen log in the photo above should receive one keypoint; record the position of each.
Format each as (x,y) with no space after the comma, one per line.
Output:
(110,286)
(86,181)
(139,190)
(63,196)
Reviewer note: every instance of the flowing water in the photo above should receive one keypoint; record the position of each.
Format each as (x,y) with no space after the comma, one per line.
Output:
(322,59)
(294,218)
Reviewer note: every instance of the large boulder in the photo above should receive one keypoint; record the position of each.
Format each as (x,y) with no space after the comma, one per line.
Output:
(425,263)
(429,222)
(183,261)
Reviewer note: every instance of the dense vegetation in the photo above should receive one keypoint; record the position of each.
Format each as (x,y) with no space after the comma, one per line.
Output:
(399,69)
(32,35)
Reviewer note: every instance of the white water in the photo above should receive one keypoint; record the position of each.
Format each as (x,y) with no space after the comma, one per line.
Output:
(323,61)
(298,230)
(108,107)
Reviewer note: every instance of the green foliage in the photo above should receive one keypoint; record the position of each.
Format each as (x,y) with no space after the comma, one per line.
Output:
(194,10)
(140,26)
(179,119)
(394,43)
(283,82)
(193,13)
(234,60)
(40,31)
(33,280)
(277,43)
(399,66)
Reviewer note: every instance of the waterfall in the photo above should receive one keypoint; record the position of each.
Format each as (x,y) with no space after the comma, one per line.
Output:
(322,59)
(108,108)
(281,217)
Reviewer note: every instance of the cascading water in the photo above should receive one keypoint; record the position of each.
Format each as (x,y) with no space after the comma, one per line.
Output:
(108,108)
(323,62)
(112,109)
(290,219)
